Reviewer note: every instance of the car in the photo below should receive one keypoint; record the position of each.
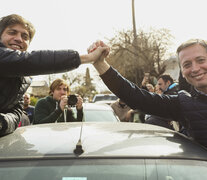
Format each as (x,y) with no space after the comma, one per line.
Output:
(104,98)
(100,151)
(93,112)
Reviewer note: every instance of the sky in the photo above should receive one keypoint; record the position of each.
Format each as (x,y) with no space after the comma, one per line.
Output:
(75,24)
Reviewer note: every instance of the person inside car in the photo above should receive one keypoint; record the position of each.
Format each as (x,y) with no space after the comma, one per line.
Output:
(189,109)
(52,108)
(121,110)
(16,34)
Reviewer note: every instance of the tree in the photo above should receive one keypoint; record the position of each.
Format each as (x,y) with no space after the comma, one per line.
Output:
(33,100)
(73,79)
(88,78)
(86,89)
(146,55)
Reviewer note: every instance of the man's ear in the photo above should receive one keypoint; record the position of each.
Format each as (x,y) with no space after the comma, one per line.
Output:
(168,82)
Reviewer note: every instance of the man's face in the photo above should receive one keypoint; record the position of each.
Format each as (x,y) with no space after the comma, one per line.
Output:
(193,61)
(162,85)
(26,100)
(15,37)
(59,91)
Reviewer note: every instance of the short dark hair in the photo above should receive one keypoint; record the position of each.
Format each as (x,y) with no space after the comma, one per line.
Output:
(16,19)
(166,77)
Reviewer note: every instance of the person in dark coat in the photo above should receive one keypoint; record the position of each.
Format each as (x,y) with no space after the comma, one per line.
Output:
(189,109)
(166,85)
(183,84)
(55,107)
(16,63)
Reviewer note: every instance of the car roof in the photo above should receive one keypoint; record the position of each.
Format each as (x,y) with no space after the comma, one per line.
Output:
(103,140)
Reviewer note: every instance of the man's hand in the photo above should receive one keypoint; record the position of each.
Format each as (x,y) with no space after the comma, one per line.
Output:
(98,51)
(79,104)
(145,81)
(63,102)
(99,44)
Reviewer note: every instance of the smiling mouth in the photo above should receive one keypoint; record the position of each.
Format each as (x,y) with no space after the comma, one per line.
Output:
(199,76)
(15,46)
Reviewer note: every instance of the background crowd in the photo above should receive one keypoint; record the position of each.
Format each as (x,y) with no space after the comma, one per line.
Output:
(161,103)
(51,108)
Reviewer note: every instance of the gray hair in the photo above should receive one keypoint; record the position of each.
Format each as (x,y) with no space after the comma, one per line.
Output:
(191,42)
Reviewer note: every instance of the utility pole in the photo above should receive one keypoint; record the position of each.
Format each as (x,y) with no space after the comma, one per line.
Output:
(135,43)
(134,24)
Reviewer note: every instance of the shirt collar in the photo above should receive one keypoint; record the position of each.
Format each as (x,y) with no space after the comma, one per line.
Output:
(200,92)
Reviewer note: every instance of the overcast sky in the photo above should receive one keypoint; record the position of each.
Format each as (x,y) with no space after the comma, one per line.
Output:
(75,24)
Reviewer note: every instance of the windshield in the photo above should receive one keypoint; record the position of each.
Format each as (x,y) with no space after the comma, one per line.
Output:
(99,116)
(105,98)
(114,169)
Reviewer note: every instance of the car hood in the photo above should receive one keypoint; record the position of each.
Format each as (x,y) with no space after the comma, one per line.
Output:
(98,140)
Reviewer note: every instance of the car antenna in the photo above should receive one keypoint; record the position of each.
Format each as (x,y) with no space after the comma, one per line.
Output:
(79,150)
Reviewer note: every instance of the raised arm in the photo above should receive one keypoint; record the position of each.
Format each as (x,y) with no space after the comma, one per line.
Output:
(132,95)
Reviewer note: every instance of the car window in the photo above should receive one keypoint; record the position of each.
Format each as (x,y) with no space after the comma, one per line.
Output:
(104,98)
(99,116)
(104,169)
(175,170)
(114,97)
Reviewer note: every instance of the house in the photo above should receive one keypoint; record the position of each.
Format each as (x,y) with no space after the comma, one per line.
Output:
(39,88)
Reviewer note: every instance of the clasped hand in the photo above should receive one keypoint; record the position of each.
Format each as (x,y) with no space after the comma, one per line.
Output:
(99,50)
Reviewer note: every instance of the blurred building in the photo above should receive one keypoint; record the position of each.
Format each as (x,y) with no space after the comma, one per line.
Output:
(172,67)
(39,88)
